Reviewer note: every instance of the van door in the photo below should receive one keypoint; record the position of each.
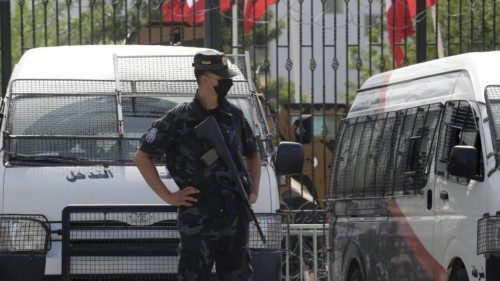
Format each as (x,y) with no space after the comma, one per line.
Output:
(459,200)
(411,210)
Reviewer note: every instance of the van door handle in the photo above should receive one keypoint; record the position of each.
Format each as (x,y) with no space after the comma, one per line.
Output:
(429,199)
(444,195)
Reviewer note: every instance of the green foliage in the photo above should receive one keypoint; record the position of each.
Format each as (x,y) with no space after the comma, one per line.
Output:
(470,27)
(94,25)
(465,26)
(279,91)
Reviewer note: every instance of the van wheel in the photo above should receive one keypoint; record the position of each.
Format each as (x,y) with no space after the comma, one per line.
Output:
(460,274)
(355,274)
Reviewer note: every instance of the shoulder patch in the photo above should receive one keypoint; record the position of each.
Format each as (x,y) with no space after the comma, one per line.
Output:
(151,135)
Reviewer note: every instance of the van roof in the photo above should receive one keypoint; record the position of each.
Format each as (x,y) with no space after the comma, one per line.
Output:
(401,88)
(482,64)
(88,62)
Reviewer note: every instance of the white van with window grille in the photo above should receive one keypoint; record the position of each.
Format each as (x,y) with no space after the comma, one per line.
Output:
(72,205)
(415,186)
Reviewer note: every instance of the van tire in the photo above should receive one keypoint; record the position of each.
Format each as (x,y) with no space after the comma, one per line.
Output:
(355,273)
(459,274)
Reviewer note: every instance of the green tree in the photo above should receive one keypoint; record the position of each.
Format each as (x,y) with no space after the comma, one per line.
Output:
(464,28)
(53,27)
(282,89)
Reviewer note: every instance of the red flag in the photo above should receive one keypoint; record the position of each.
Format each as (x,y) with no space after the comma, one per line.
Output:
(400,14)
(196,12)
(189,11)
(253,11)
(225,5)
(175,11)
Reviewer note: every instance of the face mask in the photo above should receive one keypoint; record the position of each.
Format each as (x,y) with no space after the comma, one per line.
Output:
(223,88)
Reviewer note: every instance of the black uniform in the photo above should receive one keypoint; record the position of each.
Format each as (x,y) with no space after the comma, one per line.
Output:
(215,228)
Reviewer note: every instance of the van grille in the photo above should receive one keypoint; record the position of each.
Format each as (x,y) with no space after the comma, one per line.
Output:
(120,243)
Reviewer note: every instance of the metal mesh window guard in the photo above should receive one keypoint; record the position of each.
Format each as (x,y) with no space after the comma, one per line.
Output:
(77,125)
(24,234)
(79,118)
(158,87)
(458,128)
(338,162)
(41,86)
(174,75)
(67,115)
(414,147)
(381,178)
(86,127)
(169,74)
(139,112)
(168,68)
(188,87)
(488,235)
(492,96)
(152,107)
(64,151)
(266,147)
(384,153)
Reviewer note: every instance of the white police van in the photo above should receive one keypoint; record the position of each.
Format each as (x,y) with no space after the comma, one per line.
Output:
(415,188)
(72,119)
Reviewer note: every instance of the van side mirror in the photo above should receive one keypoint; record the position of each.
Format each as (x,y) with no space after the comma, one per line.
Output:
(463,161)
(303,134)
(289,159)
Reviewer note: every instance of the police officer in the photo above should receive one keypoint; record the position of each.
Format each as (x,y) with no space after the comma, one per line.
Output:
(212,222)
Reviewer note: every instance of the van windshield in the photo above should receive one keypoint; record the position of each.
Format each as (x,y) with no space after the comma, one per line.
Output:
(84,129)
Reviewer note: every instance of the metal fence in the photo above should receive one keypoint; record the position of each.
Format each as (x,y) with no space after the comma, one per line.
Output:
(304,54)
(306,246)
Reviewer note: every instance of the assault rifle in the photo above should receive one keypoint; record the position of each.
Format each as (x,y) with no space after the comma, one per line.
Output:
(209,129)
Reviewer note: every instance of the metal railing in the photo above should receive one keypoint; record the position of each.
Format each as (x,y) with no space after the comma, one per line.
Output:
(306,255)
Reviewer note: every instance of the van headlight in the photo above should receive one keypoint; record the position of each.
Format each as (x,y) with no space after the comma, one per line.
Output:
(488,234)
(271,225)
(24,233)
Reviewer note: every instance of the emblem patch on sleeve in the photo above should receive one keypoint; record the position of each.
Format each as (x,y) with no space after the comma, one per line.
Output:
(151,135)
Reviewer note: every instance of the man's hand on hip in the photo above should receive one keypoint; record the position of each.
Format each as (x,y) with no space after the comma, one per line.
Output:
(182,197)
